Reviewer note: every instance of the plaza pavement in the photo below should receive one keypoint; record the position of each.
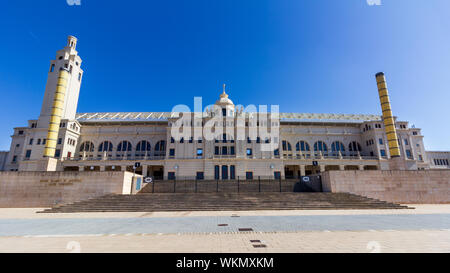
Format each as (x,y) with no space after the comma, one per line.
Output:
(424,229)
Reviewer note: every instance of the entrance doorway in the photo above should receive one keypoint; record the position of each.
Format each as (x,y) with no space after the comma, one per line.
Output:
(156,171)
(292,171)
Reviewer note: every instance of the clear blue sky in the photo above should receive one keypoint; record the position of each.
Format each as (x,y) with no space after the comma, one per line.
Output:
(316,56)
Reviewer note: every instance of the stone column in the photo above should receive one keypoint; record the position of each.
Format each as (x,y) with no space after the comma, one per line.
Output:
(361,167)
(144,170)
(322,168)
(341,167)
(302,170)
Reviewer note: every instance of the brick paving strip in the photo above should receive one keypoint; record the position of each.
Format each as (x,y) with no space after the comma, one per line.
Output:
(425,229)
(314,241)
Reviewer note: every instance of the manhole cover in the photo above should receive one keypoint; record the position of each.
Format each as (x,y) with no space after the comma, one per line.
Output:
(259,246)
(245,229)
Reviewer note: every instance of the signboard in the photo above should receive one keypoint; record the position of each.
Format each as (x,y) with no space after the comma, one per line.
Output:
(148,180)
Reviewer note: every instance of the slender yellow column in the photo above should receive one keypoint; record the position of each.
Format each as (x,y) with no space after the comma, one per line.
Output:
(389,124)
(55,117)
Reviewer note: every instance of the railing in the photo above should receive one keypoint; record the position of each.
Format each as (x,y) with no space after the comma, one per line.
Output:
(190,184)
(292,157)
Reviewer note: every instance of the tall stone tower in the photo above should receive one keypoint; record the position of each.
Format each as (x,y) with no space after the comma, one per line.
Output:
(66,59)
(55,134)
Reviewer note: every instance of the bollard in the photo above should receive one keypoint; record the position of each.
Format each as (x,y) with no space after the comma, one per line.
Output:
(259,183)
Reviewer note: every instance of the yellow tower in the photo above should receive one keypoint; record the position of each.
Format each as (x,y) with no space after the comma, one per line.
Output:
(389,123)
(56,113)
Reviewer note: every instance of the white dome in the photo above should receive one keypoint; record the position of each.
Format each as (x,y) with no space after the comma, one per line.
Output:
(224,100)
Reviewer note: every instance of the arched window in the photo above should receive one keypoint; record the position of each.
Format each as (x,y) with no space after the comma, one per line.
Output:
(354,147)
(124,146)
(160,146)
(337,146)
(320,146)
(286,146)
(87,146)
(302,146)
(143,146)
(105,146)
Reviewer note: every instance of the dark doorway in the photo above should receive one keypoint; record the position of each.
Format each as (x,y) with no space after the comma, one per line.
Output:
(232,172)
(216,172)
(224,172)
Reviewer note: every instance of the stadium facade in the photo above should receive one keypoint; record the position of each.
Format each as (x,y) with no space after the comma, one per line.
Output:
(291,144)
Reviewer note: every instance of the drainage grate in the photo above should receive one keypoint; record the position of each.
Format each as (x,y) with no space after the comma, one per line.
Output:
(222,225)
(259,246)
(245,229)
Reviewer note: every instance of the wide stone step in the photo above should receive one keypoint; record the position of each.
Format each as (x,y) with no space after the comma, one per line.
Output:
(148,202)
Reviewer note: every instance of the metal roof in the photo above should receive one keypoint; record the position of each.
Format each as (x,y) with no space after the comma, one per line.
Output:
(164,116)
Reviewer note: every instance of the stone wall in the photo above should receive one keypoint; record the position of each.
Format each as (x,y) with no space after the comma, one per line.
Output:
(420,187)
(3,158)
(45,189)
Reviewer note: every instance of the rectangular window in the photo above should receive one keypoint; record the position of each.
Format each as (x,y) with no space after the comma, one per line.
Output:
(59,140)
(79,77)
(52,68)
(232,150)
(200,176)
(28,154)
(249,175)
(31,141)
(171,175)
(44,141)
(224,150)
(277,175)
(172,152)
(249,151)
(420,158)
(190,140)
(39,142)
(380,141)
(20,132)
(57,153)
(383,153)
(232,172)
(216,150)
(14,159)
(406,141)
(199,152)
(200,140)
(408,154)
(224,112)
(172,140)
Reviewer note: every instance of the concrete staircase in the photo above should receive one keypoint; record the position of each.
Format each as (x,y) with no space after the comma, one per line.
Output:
(148,202)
